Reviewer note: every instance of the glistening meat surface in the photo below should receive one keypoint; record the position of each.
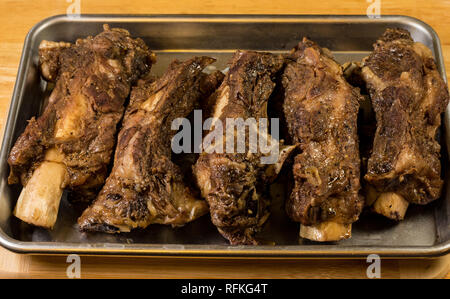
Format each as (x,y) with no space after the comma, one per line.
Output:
(408,96)
(93,79)
(321,111)
(145,186)
(234,183)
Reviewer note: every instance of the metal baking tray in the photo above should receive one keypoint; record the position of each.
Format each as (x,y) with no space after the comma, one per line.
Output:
(424,233)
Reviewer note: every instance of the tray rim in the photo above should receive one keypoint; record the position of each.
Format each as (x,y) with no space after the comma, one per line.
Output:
(291,251)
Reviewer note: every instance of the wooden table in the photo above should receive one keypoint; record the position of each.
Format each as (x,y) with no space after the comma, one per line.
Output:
(20,15)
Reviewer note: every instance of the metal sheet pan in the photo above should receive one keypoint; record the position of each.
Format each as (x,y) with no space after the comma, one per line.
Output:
(424,232)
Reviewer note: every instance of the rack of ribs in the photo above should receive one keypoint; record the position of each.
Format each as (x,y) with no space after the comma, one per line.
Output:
(70,145)
(234,182)
(145,187)
(408,96)
(321,111)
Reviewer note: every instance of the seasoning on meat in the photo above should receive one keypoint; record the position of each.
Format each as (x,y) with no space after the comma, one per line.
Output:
(408,96)
(145,187)
(321,111)
(233,182)
(71,143)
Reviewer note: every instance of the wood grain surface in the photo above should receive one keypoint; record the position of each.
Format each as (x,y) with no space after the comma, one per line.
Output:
(20,15)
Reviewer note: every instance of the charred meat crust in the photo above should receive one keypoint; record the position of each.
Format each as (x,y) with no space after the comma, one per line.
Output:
(321,111)
(93,79)
(145,186)
(408,96)
(234,184)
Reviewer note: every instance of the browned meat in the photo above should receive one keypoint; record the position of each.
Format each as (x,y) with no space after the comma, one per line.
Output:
(321,111)
(408,96)
(93,79)
(145,186)
(234,183)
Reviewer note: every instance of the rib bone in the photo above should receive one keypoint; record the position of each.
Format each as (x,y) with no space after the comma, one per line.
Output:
(392,205)
(92,79)
(321,111)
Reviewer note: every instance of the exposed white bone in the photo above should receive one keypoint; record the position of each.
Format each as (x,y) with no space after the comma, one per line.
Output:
(391,205)
(326,231)
(38,203)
